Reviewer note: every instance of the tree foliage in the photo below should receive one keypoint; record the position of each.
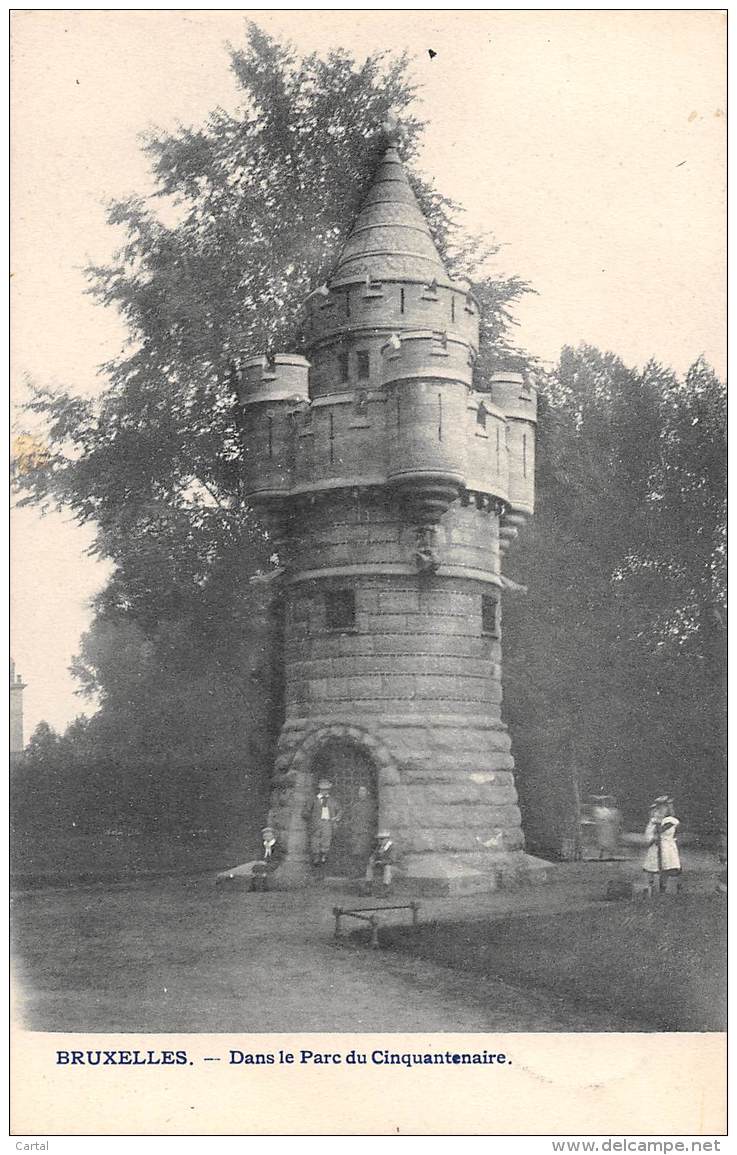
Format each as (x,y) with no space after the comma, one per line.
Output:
(614,662)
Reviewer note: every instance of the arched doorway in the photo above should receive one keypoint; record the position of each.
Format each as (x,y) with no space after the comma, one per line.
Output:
(354,787)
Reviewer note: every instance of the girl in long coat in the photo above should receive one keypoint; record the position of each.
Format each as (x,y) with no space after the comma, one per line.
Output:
(662,860)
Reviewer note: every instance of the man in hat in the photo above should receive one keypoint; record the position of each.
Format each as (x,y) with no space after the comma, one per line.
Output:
(382,855)
(269,862)
(323,815)
(273,849)
(253,875)
(268,839)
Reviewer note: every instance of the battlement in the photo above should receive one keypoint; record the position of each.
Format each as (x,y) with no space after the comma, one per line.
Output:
(283,377)
(424,423)
(515,395)
(350,310)
(427,354)
(487,453)
(516,398)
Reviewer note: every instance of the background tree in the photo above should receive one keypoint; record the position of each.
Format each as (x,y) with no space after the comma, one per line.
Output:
(614,673)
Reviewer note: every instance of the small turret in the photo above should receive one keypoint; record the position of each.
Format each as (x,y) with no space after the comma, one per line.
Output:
(426,376)
(269,390)
(282,377)
(516,397)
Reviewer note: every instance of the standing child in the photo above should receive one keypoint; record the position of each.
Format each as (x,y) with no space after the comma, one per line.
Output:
(382,856)
(662,860)
(323,814)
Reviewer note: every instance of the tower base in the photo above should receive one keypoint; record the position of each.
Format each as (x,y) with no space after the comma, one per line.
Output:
(444,790)
(432,874)
(470,874)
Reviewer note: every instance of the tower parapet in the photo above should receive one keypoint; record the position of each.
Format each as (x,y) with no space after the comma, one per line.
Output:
(427,376)
(282,377)
(269,390)
(516,397)
(372,310)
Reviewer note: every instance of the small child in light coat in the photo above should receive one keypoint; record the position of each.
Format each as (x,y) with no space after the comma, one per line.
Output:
(662,860)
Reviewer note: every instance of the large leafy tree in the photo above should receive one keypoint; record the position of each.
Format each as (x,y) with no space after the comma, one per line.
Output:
(248,216)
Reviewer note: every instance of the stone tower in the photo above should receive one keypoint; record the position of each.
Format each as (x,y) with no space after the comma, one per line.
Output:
(393,483)
(17,686)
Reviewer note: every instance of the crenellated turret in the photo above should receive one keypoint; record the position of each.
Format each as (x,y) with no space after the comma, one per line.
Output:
(370,310)
(269,390)
(516,398)
(282,377)
(487,468)
(427,376)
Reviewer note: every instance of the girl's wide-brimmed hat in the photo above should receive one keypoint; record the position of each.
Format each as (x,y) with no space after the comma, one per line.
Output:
(324,784)
(663,800)
(268,830)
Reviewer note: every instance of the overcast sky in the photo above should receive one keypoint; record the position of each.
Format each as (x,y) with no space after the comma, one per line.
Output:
(592,144)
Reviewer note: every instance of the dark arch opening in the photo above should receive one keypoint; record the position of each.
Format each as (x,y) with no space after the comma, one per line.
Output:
(352,772)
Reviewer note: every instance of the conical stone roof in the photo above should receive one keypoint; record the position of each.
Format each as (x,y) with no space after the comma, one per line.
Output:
(390,239)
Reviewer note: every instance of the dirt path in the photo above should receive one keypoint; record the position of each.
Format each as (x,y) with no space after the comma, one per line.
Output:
(178,955)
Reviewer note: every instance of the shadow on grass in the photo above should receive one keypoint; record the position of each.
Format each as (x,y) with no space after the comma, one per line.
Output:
(661,962)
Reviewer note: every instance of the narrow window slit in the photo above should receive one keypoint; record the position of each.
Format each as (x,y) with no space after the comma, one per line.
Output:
(489,616)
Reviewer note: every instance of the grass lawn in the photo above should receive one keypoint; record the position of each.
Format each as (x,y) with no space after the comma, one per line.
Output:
(174,955)
(661,961)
